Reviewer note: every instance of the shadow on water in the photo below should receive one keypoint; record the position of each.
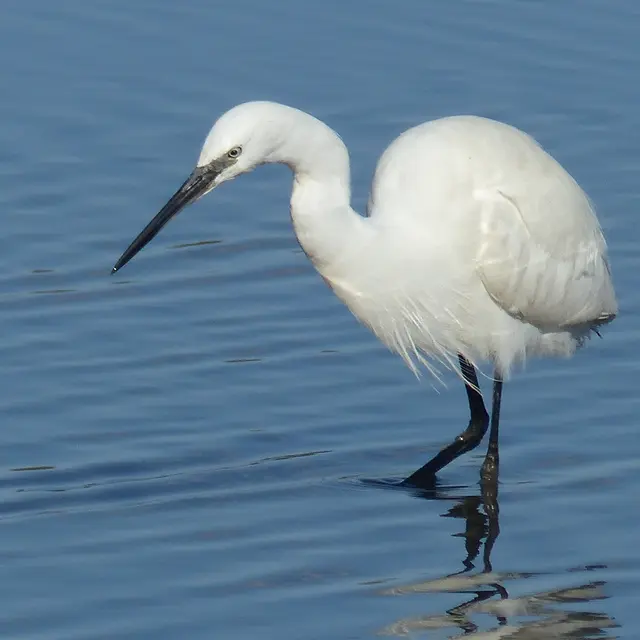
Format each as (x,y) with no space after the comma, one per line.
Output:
(487,611)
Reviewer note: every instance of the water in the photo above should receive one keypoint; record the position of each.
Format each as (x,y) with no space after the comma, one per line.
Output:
(184,444)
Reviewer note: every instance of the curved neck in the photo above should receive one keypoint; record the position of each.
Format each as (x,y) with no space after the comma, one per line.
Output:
(323,219)
(326,226)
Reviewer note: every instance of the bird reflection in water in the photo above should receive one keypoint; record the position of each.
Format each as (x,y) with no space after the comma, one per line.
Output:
(538,616)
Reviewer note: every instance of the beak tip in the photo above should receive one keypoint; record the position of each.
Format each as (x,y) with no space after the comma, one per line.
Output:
(117,266)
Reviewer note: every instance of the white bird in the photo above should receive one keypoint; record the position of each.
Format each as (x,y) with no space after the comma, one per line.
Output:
(477,245)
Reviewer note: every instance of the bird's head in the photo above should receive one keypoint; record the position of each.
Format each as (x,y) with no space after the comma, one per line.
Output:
(244,137)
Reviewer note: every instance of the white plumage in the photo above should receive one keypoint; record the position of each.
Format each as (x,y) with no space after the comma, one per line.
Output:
(477,243)
(496,249)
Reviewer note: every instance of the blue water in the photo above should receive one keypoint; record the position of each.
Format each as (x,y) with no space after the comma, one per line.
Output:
(184,444)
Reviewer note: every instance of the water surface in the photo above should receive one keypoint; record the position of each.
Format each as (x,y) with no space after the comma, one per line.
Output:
(185,443)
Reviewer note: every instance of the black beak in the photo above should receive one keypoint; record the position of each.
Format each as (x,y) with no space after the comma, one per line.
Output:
(196,185)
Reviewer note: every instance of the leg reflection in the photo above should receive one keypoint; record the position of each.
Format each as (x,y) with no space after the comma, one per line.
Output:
(535,616)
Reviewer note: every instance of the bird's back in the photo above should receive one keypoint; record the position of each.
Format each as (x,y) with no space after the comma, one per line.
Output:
(501,227)
(492,193)
(439,162)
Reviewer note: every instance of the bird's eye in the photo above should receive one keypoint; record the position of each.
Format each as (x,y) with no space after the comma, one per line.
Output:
(234,153)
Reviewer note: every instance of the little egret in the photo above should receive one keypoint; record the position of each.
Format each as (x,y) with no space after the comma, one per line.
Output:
(477,245)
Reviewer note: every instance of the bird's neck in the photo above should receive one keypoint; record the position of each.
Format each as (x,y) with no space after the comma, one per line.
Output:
(326,226)
(323,220)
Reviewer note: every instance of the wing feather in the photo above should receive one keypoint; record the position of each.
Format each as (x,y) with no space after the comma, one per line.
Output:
(552,280)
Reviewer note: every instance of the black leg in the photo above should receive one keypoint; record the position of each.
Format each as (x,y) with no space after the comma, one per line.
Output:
(469,439)
(489,472)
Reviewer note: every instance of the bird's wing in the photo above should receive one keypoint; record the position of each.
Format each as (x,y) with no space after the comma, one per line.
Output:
(544,260)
